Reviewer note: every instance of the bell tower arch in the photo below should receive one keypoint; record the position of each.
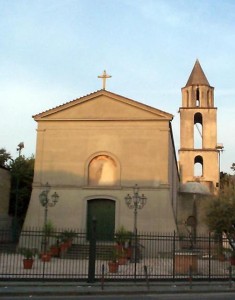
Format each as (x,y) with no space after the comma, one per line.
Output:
(198,153)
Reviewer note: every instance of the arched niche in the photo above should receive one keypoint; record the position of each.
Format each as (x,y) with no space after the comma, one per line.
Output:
(103,170)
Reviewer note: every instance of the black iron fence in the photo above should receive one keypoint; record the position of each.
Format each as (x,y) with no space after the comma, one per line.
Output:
(68,254)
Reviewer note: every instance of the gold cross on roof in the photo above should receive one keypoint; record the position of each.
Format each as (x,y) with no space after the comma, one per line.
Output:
(104,76)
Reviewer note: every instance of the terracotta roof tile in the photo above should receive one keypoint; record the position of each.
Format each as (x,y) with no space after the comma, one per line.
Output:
(197,76)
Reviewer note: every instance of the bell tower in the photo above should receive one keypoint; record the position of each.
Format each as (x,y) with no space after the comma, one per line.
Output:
(199,152)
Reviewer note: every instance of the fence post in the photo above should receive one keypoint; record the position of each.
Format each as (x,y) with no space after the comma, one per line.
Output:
(230,277)
(92,253)
(174,256)
(102,278)
(146,276)
(190,277)
(209,271)
(135,253)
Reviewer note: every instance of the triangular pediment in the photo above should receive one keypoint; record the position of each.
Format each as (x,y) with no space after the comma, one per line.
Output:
(103,105)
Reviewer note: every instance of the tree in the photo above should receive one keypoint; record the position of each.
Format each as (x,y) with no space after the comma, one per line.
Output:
(5,158)
(22,170)
(220,214)
(233,167)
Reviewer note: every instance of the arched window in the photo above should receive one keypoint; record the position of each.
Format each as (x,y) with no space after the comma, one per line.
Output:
(102,170)
(198,166)
(198,129)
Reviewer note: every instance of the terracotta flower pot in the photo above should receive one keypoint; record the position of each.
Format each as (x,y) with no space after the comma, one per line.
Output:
(129,252)
(122,260)
(46,257)
(113,267)
(69,243)
(28,263)
(118,247)
(64,247)
(55,251)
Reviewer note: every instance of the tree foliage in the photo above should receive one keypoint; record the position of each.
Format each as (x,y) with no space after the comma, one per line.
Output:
(220,214)
(5,158)
(233,167)
(22,170)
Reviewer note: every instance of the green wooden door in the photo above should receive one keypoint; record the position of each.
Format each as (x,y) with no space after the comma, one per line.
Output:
(103,210)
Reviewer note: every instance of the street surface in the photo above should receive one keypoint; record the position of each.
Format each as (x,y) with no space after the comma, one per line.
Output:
(193,296)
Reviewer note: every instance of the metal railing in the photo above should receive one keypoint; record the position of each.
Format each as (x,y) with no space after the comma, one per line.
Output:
(157,257)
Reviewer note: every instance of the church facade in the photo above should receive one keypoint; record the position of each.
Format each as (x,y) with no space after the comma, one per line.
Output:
(92,151)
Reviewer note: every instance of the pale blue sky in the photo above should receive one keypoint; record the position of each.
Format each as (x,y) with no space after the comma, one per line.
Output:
(51,51)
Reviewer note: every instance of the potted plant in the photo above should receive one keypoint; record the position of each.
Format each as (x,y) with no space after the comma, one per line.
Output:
(122,236)
(113,261)
(122,256)
(28,254)
(66,240)
(55,249)
(123,239)
(48,230)
(69,236)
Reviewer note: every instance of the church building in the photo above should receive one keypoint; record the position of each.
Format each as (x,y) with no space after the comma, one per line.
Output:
(93,150)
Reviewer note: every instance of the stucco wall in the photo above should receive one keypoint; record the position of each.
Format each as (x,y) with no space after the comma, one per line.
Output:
(64,149)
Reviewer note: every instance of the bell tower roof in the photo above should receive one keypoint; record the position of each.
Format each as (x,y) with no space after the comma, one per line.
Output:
(197,76)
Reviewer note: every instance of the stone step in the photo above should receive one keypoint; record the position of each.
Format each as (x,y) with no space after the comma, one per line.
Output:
(79,251)
(8,247)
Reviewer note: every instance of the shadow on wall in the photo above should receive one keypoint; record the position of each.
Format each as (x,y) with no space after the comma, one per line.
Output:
(74,191)
(192,207)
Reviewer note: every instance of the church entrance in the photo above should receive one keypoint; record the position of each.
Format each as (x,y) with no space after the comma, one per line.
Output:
(103,210)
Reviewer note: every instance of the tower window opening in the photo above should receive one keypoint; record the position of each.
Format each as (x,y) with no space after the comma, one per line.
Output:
(197,97)
(198,129)
(198,166)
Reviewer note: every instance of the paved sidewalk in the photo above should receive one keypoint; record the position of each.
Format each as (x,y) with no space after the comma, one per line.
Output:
(16,288)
